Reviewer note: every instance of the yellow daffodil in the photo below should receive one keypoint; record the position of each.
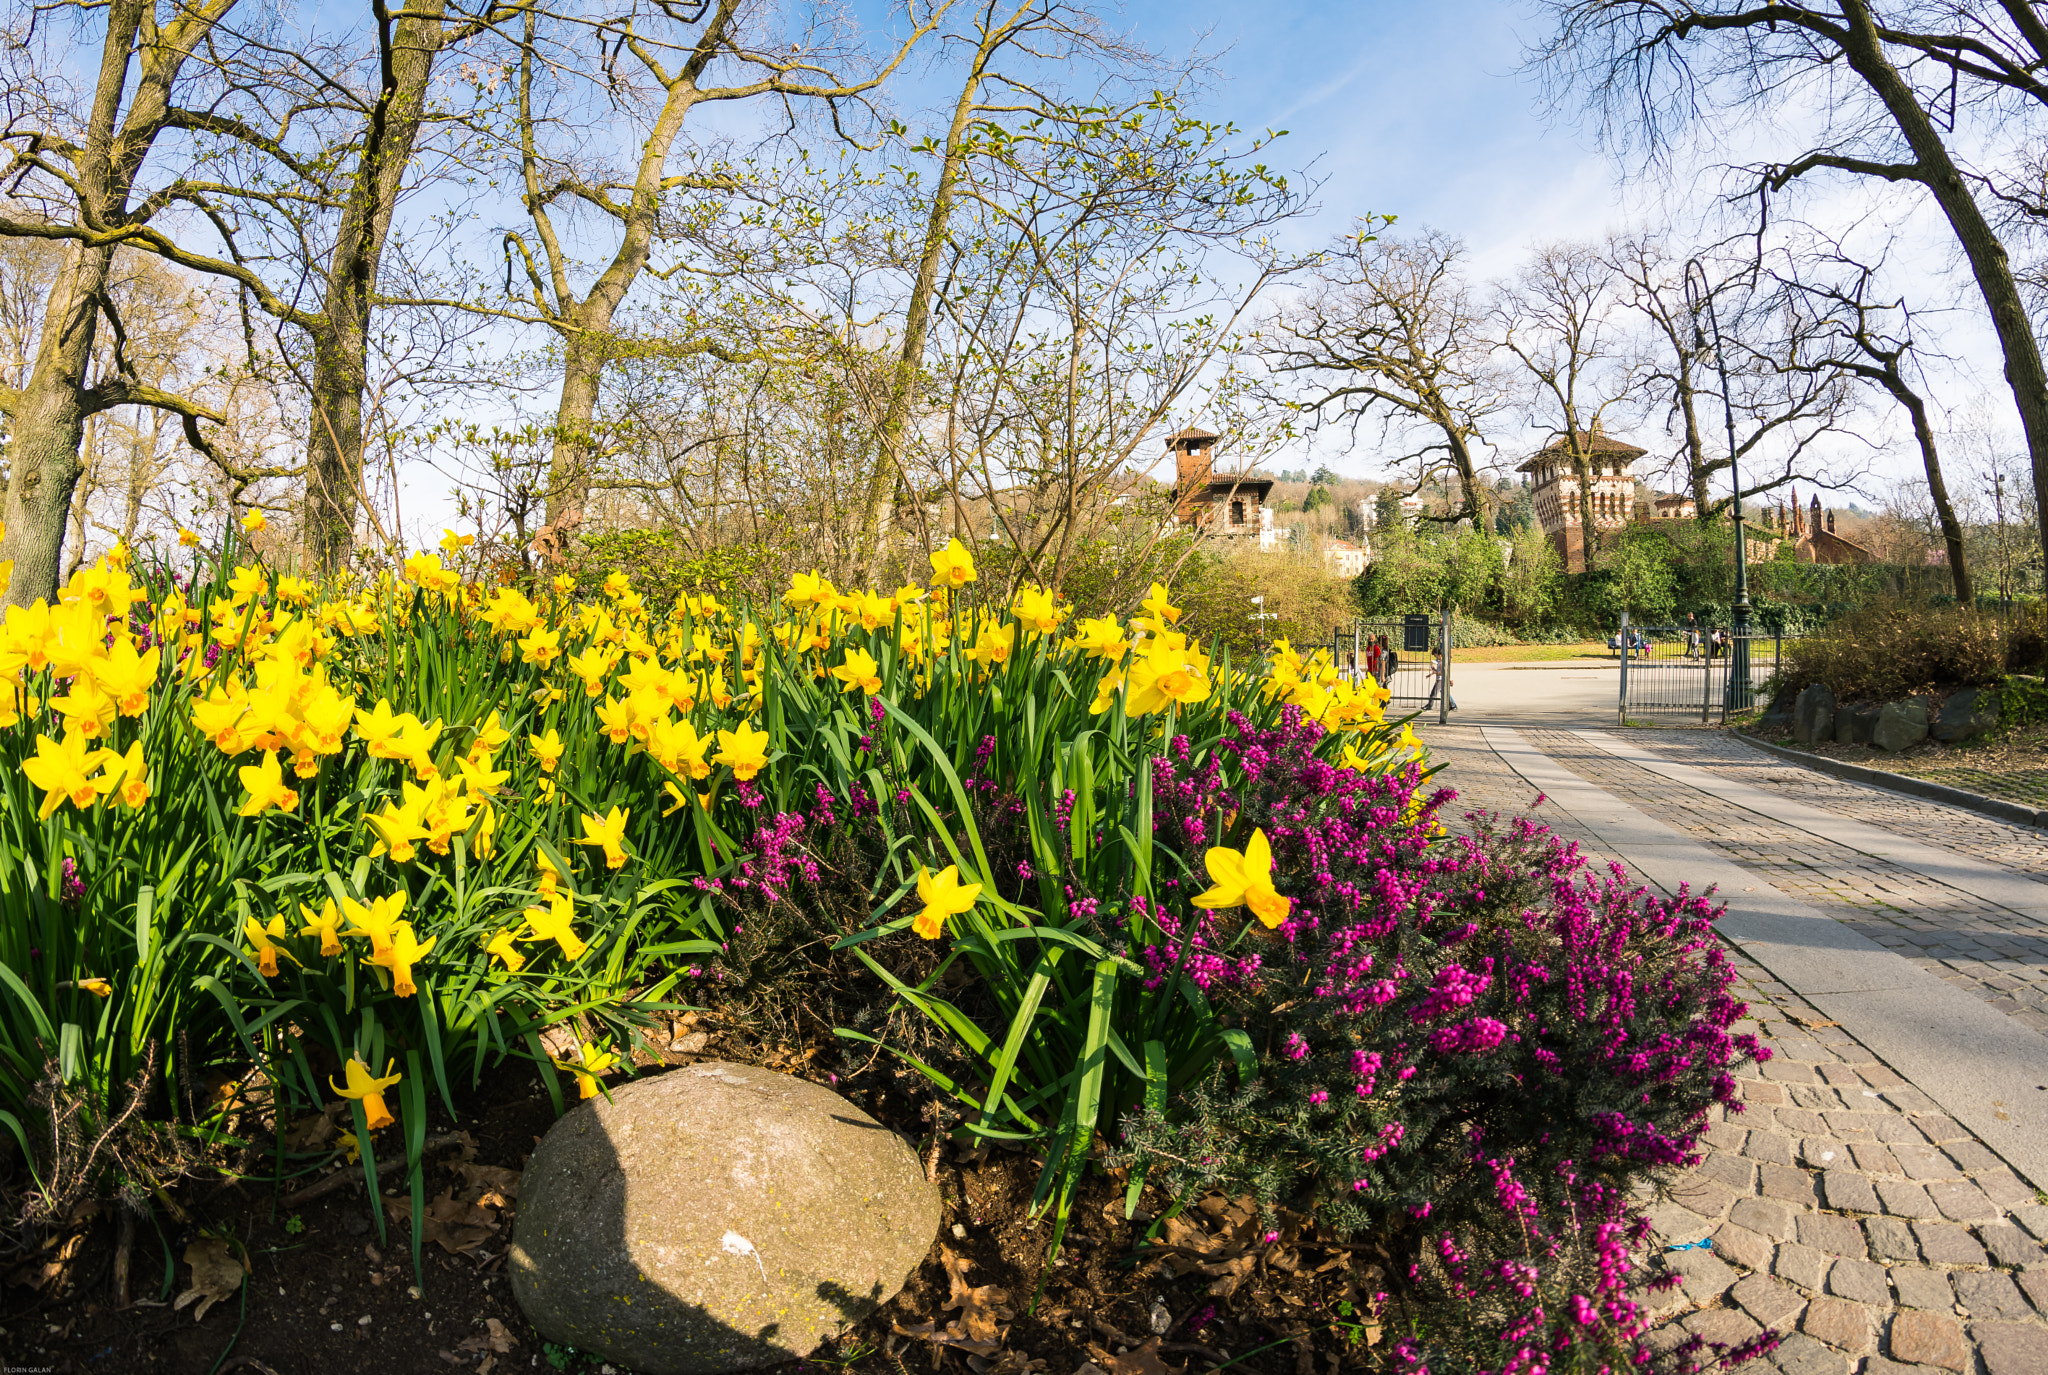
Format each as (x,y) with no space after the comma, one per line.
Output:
(369,1088)
(859,672)
(254,521)
(400,956)
(325,923)
(555,923)
(188,539)
(61,770)
(376,923)
(953,566)
(1244,880)
(546,748)
(1163,612)
(99,988)
(943,896)
(262,941)
(501,945)
(541,648)
(745,750)
(607,833)
(594,1063)
(265,783)
(1163,674)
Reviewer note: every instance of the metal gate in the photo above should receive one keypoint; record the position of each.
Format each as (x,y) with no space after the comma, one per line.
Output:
(1701,674)
(1415,658)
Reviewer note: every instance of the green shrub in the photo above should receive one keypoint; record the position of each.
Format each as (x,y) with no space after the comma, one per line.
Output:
(1889,650)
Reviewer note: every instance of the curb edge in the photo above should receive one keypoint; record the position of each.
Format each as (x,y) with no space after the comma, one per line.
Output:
(1900,783)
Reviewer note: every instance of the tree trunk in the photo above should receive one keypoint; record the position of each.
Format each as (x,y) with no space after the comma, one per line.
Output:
(334,441)
(1951,528)
(48,423)
(2025,374)
(569,467)
(918,313)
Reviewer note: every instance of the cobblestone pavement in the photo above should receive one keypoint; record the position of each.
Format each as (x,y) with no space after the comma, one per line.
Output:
(1845,1212)
(1999,955)
(2021,849)
(1842,1209)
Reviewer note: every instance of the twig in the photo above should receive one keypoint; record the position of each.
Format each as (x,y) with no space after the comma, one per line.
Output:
(341,1178)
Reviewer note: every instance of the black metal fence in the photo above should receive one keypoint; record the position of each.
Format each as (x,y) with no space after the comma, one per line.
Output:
(1402,652)
(1667,672)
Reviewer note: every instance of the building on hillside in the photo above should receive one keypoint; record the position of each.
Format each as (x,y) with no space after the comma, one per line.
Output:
(1232,504)
(1812,533)
(1672,506)
(1343,558)
(1610,471)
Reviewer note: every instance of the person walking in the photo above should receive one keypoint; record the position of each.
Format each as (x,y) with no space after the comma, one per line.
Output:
(1437,681)
(1390,660)
(1372,658)
(1692,637)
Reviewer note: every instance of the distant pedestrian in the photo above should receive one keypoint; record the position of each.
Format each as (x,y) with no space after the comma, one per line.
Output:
(1438,681)
(1692,637)
(1390,661)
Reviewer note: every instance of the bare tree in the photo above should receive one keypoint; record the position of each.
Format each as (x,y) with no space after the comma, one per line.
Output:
(1556,319)
(83,166)
(1785,411)
(1890,83)
(1391,328)
(1861,334)
(653,66)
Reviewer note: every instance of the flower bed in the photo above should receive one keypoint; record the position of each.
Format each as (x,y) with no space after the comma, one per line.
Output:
(267,853)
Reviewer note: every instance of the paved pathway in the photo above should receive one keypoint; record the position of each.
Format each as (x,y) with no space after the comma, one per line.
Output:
(1847,1209)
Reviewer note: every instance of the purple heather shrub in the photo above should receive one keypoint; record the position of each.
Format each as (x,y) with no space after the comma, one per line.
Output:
(1473,1046)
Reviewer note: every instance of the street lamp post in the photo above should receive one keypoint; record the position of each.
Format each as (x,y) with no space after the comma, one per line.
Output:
(1700,298)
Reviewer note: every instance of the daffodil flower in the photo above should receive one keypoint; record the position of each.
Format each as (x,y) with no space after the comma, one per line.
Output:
(265,783)
(1245,880)
(953,566)
(263,940)
(547,749)
(369,1088)
(859,672)
(400,956)
(943,896)
(555,923)
(501,946)
(378,922)
(745,750)
(326,924)
(594,1063)
(608,833)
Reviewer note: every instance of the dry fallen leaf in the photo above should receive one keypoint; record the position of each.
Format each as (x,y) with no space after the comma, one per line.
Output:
(493,1336)
(1143,1360)
(457,1226)
(491,1185)
(983,1309)
(215,1275)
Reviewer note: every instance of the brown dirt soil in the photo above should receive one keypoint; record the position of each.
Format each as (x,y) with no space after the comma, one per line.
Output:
(322,1293)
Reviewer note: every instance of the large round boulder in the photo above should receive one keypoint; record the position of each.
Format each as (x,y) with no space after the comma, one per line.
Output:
(717,1217)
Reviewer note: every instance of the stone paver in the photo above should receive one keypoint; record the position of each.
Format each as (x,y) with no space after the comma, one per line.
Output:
(1847,1213)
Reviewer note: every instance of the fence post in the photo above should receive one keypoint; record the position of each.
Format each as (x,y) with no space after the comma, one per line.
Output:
(1621,638)
(1443,701)
(1707,681)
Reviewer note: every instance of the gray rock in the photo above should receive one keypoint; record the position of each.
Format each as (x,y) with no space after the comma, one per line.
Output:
(715,1218)
(1854,725)
(1813,715)
(1969,712)
(1900,725)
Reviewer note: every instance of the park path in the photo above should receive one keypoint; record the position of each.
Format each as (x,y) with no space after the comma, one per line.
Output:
(1882,1201)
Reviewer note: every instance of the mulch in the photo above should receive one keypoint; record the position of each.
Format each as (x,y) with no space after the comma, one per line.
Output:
(320,1290)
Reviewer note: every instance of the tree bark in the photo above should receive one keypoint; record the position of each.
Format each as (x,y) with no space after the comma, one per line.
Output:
(334,441)
(48,423)
(1944,511)
(2025,374)
(918,312)
(48,414)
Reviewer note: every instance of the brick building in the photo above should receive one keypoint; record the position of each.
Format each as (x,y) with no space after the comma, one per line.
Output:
(1610,469)
(1220,503)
